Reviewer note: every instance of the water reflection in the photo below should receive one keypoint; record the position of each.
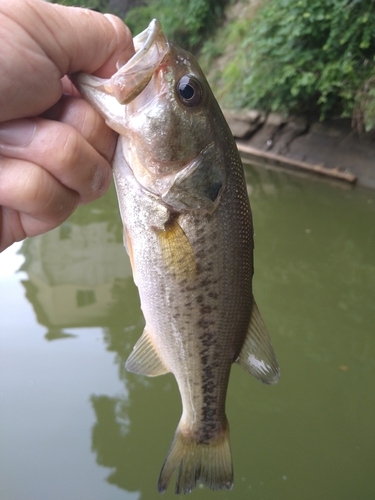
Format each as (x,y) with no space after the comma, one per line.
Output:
(326,246)
(79,276)
(124,438)
(109,437)
(75,272)
(315,284)
(321,283)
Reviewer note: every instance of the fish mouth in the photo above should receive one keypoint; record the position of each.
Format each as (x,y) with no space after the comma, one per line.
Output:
(130,80)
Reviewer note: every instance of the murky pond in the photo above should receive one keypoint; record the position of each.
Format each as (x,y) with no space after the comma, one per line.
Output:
(74,425)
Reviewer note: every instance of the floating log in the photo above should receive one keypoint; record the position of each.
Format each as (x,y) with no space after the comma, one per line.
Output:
(290,162)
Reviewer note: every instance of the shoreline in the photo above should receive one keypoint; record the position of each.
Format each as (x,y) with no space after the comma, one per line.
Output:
(330,149)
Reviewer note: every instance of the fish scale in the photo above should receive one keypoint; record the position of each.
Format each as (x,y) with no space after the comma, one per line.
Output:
(189,234)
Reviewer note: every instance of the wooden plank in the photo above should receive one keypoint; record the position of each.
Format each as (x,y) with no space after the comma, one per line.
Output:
(317,169)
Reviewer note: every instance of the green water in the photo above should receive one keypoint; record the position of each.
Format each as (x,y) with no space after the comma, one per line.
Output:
(74,425)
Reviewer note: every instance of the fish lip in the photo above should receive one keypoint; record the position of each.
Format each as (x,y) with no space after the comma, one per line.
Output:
(152,30)
(132,78)
(142,44)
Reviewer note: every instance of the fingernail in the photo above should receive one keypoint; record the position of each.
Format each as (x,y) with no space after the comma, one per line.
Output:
(17,132)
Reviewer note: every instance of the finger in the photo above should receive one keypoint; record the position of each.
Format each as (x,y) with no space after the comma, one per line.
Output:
(74,39)
(68,87)
(62,151)
(42,42)
(11,229)
(42,201)
(77,113)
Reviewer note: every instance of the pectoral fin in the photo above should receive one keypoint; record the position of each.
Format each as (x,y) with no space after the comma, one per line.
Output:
(144,359)
(257,355)
(178,254)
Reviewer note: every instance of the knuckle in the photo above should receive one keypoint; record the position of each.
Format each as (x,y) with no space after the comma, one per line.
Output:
(47,198)
(98,134)
(70,154)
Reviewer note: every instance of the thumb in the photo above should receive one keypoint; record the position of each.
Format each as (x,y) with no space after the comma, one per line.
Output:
(42,42)
(73,38)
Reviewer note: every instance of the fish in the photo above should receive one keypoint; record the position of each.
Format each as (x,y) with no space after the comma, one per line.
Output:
(188,231)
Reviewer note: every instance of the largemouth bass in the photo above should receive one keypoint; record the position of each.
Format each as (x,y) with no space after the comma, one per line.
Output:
(189,235)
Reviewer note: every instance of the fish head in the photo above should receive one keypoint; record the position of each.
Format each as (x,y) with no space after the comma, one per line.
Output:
(168,120)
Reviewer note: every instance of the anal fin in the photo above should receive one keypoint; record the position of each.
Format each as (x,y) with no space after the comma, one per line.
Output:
(257,355)
(144,359)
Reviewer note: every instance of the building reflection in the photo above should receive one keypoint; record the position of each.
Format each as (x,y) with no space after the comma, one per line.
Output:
(317,255)
(131,436)
(76,273)
(79,276)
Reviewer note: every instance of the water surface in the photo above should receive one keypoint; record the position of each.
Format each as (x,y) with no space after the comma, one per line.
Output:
(74,425)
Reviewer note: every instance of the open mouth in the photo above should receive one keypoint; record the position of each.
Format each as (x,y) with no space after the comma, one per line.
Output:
(132,78)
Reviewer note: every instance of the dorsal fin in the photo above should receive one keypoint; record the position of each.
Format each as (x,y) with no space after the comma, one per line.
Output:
(257,355)
(144,359)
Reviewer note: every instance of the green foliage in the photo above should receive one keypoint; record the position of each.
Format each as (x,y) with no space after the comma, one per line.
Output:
(99,5)
(307,55)
(364,106)
(293,56)
(227,77)
(186,22)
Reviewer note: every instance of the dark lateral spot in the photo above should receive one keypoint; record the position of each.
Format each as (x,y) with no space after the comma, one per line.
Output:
(209,414)
(205,309)
(200,299)
(207,373)
(214,190)
(205,282)
(204,324)
(207,337)
(209,386)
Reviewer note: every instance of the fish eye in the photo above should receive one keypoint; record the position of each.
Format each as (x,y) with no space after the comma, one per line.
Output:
(189,91)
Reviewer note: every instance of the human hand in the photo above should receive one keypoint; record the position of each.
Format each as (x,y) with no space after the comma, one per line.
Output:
(54,148)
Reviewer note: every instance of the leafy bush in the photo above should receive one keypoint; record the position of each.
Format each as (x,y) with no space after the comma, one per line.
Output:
(186,22)
(293,56)
(364,106)
(308,55)
(99,5)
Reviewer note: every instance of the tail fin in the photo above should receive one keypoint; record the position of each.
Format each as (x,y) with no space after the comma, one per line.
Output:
(209,462)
